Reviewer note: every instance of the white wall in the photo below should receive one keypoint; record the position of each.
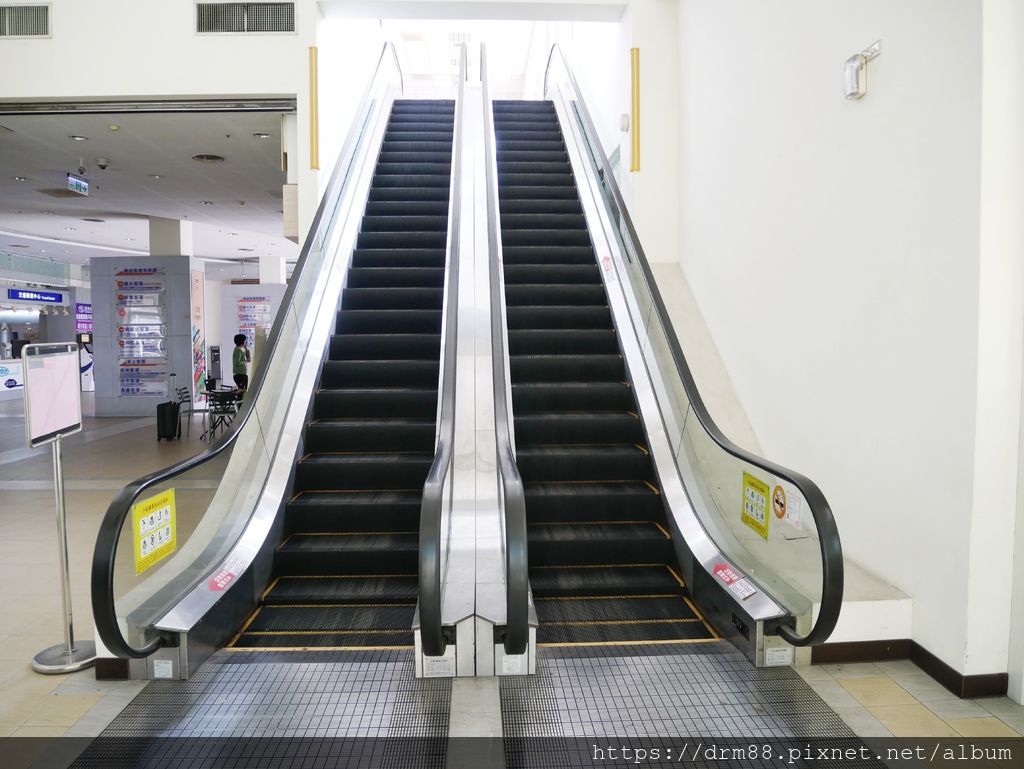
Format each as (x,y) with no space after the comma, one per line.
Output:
(998,510)
(833,247)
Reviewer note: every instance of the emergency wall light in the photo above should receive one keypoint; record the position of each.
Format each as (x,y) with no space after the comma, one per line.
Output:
(856,73)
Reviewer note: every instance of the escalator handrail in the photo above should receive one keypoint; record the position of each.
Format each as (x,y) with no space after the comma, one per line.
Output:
(432,634)
(105,552)
(517,580)
(828,533)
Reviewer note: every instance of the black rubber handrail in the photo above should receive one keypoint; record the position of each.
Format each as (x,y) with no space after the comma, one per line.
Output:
(517,580)
(432,635)
(105,552)
(828,533)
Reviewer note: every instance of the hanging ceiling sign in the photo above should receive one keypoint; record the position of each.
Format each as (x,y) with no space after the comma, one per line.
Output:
(78,184)
(34,295)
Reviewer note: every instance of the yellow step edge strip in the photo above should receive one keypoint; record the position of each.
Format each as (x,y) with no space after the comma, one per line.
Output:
(630,643)
(315,648)
(622,622)
(335,605)
(605,597)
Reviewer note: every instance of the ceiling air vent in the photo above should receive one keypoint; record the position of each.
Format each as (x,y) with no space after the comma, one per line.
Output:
(245,17)
(24,20)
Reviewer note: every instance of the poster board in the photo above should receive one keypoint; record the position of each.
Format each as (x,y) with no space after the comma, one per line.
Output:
(53,396)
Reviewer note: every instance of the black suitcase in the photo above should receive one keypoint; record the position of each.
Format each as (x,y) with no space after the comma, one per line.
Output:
(168,420)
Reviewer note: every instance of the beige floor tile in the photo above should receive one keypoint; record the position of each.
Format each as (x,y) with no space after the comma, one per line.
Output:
(40,731)
(981,727)
(911,721)
(10,668)
(877,691)
(63,711)
(853,670)
(29,680)
(25,647)
(1001,706)
(7,731)
(18,707)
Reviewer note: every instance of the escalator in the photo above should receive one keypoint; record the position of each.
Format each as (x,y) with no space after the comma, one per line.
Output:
(602,565)
(346,572)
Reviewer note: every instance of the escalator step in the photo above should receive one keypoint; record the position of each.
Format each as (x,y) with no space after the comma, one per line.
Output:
(353,554)
(379,373)
(376,403)
(351,321)
(546,179)
(547,464)
(397,192)
(536,191)
(566,206)
(354,640)
(581,428)
(577,317)
(413,169)
(603,580)
(533,144)
(590,544)
(624,633)
(567,502)
(396,277)
(403,297)
(397,239)
(555,294)
(371,435)
(398,257)
(567,368)
(562,342)
(363,472)
(534,166)
(405,223)
(548,255)
(411,180)
(346,589)
(342,618)
(385,347)
(535,397)
(391,208)
(553,237)
(556,273)
(353,511)
(634,608)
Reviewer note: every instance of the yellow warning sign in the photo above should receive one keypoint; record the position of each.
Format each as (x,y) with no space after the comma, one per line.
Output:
(755,504)
(153,530)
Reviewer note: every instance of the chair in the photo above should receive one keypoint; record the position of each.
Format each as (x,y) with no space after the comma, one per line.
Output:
(222,410)
(184,395)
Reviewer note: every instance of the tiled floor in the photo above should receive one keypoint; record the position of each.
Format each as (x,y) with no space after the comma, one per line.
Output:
(875,700)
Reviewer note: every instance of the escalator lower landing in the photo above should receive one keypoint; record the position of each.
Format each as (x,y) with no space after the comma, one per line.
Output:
(346,574)
(603,568)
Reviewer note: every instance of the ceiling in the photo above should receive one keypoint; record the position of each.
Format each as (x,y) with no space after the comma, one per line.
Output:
(235,206)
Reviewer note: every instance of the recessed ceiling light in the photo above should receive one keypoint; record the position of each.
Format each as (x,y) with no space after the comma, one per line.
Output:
(129,239)
(21,179)
(247,249)
(232,233)
(48,213)
(95,220)
(18,245)
(156,176)
(204,158)
(71,228)
(207,202)
(262,135)
(114,127)
(78,138)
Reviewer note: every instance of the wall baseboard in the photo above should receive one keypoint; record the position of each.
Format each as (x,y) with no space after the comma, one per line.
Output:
(987,685)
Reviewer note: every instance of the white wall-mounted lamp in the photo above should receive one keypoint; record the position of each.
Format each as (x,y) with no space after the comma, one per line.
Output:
(856,73)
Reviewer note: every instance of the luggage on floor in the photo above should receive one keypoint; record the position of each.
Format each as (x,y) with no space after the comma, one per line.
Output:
(168,420)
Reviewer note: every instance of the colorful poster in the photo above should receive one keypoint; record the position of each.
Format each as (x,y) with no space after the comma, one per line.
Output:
(143,377)
(153,528)
(198,335)
(755,504)
(83,317)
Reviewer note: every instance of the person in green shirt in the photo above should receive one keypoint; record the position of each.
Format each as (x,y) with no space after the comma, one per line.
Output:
(239,362)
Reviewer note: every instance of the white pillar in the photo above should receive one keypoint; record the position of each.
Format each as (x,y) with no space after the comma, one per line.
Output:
(273,269)
(170,237)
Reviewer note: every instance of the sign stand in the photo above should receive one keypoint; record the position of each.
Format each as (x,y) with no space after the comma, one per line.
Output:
(53,408)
